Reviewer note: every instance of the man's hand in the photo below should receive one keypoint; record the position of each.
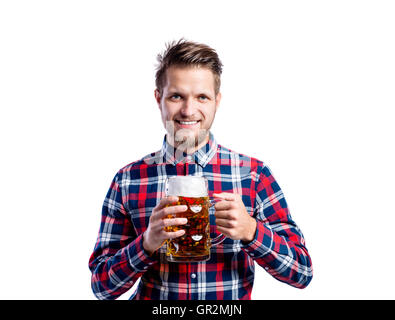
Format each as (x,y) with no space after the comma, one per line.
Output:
(155,235)
(232,218)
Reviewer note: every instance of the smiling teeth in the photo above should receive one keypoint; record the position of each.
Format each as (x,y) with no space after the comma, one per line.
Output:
(188,122)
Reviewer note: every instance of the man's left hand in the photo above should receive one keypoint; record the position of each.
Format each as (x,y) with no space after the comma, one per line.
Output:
(232,218)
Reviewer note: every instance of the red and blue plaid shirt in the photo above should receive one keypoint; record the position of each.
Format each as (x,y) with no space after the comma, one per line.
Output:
(119,260)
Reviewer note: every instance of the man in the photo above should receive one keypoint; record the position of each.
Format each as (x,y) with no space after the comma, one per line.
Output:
(252,213)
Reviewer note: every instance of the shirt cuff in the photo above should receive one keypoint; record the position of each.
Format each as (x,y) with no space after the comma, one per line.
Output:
(262,243)
(138,258)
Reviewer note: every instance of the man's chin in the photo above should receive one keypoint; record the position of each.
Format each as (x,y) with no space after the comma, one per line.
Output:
(190,138)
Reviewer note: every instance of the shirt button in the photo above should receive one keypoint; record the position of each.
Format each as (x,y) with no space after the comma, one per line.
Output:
(266,268)
(193,275)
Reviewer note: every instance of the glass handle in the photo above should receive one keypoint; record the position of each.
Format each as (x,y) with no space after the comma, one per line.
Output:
(220,238)
(217,240)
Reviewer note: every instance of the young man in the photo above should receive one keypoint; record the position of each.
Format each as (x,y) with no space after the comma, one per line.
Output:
(252,213)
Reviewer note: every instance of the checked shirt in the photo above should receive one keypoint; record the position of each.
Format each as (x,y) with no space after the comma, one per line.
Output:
(118,260)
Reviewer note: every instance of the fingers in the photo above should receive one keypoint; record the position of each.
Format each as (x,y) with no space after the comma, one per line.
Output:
(226,196)
(174,222)
(223,205)
(155,235)
(163,217)
(225,214)
(175,234)
(166,201)
(224,231)
(173,210)
(225,223)
(229,201)
(161,210)
(171,233)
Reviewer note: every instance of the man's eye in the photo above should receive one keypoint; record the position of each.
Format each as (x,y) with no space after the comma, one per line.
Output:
(203,98)
(175,96)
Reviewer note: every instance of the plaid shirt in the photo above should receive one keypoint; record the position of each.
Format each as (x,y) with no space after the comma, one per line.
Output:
(119,259)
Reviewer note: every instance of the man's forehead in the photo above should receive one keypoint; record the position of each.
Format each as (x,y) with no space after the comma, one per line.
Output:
(179,79)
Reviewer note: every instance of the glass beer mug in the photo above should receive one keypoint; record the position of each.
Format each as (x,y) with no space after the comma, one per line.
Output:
(195,244)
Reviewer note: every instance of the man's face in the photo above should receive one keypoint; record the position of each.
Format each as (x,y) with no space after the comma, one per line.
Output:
(188,105)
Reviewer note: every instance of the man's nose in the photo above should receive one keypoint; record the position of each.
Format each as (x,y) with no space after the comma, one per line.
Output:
(188,108)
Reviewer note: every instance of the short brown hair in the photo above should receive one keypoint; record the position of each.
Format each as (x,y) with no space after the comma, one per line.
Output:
(185,53)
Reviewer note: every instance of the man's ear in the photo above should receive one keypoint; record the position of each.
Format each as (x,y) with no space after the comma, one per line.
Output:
(217,100)
(157,97)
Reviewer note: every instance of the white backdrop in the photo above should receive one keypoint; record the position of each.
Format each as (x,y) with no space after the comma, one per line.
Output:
(308,87)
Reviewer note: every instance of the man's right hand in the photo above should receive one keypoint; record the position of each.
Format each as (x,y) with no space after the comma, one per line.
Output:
(155,235)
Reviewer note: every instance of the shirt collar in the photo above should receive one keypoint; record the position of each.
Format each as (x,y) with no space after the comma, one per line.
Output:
(201,156)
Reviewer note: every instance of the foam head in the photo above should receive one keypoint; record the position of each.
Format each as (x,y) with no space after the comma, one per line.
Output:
(187,186)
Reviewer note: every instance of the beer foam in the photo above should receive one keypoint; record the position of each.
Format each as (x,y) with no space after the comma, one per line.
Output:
(187,186)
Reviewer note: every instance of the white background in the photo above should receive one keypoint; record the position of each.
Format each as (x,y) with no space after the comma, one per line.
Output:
(308,87)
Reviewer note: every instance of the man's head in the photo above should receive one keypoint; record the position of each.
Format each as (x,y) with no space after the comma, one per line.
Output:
(188,91)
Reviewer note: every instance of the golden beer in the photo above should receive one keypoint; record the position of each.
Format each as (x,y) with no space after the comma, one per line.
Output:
(195,244)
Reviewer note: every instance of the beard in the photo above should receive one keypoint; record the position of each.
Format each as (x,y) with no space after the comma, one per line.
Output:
(186,140)
(190,139)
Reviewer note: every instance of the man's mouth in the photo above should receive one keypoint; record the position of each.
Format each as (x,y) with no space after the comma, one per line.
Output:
(187,124)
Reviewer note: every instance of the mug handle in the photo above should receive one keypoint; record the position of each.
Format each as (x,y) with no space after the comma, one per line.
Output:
(220,238)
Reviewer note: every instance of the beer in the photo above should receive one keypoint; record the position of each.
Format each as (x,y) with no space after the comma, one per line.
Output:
(194,245)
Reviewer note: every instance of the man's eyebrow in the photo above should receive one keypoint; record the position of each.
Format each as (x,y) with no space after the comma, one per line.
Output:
(179,92)
(174,90)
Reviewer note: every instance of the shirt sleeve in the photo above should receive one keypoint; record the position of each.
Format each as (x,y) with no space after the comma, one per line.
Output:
(279,245)
(118,258)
